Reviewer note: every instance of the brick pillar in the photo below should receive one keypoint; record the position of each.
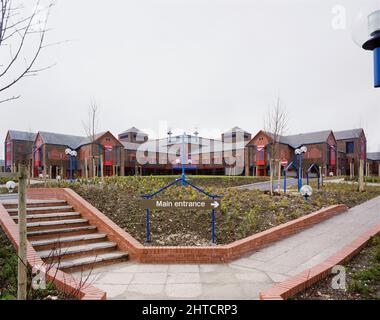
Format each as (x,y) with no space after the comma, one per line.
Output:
(45,162)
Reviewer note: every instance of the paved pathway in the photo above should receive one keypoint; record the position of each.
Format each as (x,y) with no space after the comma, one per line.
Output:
(244,278)
(265,186)
(341,180)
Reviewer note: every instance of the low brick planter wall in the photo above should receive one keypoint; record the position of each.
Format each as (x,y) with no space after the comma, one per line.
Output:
(305,279)
(63,281)
(212,254)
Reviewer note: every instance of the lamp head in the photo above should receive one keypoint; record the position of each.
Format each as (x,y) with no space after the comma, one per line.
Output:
(366,24)
(10,185)
(306,191)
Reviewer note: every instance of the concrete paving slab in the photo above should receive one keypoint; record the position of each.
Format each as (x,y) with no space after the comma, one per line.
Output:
(184,290)
(114,278)
(223,291)
(149,278)
(218,277)
(256,276)
(183,277)
(147,289)
(183,268)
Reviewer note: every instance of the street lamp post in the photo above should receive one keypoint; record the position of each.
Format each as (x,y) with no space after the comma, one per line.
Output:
(373,43)
(299,154)
(366,32)
(72,154)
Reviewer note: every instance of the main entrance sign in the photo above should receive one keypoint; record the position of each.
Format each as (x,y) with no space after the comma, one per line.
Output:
(179,204)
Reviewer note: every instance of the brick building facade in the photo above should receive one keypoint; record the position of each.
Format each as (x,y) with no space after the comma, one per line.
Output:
(321,151)
(373,160)
(18,147)
(236,153)
(352,146)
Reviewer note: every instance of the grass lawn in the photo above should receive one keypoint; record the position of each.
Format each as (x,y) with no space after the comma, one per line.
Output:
(362,282)
(242,213)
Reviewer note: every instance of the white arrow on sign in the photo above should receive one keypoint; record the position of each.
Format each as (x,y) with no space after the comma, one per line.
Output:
(215,204)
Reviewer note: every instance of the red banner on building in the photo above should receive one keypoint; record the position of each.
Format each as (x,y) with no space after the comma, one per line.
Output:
(108,161)
(8,155)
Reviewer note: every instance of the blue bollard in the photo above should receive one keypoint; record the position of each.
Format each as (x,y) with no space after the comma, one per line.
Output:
(147,225)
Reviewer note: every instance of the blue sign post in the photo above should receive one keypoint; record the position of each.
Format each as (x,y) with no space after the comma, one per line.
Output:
(314,166)
(291,164)
(183,182)
(299,152)
(376,55)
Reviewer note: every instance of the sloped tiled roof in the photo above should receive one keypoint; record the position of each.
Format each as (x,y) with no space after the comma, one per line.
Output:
(348,134)
(235,129)
(298,140)
(63,139)
(373,156)
(71,141)
(163,145)
(306,138)
(22,135)
(134,130)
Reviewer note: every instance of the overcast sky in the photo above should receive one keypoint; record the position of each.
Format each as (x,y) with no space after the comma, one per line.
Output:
(210,64)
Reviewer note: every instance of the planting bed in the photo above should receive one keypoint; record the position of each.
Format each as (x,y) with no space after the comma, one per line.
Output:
(242,213)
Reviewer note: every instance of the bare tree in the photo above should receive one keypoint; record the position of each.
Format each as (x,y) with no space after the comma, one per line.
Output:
(275,125)
(90,127)
(21,28)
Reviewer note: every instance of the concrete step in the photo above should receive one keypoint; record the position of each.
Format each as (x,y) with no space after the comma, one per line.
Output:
(75,251)
(61,232)
(50,216)
(35,203)
(41,210)
(43,225)
(90,262)
(61,242)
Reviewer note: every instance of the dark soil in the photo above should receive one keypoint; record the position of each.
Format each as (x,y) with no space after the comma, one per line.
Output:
(362,282)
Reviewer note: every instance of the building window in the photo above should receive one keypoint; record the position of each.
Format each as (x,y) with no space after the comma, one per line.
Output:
(350,147)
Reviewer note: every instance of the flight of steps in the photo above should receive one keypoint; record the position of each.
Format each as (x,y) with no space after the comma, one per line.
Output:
(63,238)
